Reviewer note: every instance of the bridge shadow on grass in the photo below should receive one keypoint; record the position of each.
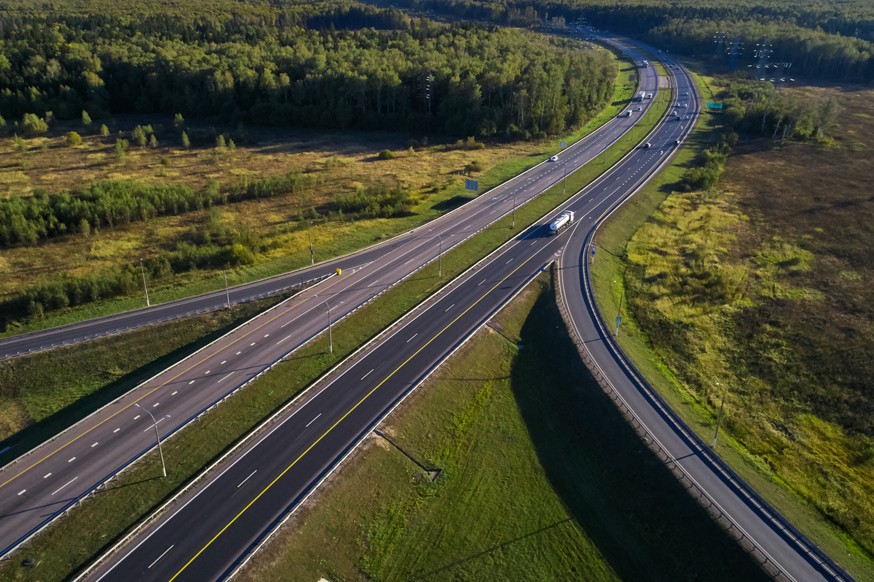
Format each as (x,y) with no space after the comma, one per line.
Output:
(621,495)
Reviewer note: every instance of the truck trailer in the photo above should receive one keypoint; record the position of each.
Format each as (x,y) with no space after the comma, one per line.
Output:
(564,220)
(640,96)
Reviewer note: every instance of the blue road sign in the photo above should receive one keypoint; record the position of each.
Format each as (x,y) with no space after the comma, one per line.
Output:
(471,185)
(593,251)
(618,319)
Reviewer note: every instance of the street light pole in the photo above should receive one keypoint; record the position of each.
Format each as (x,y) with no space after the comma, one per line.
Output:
(718,418)
(310,235)
(145,287)
(440,260)
(227,291)
(330,330)
(157,436)
(514,210)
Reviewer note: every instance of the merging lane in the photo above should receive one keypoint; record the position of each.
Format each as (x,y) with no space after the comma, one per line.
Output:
(209,530)
(40,484)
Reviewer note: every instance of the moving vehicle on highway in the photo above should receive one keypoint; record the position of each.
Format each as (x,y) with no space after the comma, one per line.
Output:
(564,220)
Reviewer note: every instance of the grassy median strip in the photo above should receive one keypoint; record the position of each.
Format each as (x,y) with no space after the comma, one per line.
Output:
(540,479)
(797,498)
(75,540)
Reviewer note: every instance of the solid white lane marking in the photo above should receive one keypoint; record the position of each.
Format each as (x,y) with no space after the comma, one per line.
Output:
(283,339)
(65,484)
(22,492)
(448,308)
(174,393)
(366,375)
(411,339)
(137,417)
(116,430)
(159,557)
(247,478)
(94,444)
(225,378)
(223,362)
(47,475)
(70,460)
(313,420)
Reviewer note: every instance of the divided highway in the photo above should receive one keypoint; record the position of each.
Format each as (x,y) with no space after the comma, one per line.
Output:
(783,551)
(41,484)
(206,533)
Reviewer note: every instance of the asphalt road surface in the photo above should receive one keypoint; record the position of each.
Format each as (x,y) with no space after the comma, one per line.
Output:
(781,548)
(209,530)
(41,484)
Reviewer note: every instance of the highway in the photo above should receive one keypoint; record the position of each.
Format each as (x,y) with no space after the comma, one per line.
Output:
(41,484)
(207,531)
(573,157)
(783,551)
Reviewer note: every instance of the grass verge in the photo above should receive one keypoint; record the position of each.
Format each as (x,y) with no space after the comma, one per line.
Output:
(762,443)
(541,478)
(44,393)
(73,541)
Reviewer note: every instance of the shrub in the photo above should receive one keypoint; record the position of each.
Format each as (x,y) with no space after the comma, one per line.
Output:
(86,119)
(32,123)
(73,139)
(104,131)
(386,155)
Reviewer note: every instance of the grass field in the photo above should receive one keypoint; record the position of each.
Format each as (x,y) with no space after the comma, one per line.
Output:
(340,163)
(44,393)
(64,548)
(760,291)
(541,479)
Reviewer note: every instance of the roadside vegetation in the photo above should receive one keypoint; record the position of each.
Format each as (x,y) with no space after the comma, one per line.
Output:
(753,285)
(540,478)
(64,549)
(42,394)
(831,40)
(120,157)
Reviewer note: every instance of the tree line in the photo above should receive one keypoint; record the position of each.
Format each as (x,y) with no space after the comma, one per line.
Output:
(25,220)
(407,74)
(833,41)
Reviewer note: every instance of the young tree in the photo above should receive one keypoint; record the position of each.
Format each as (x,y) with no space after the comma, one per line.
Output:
(178,121)
(20,145)
(220,142)
(121,146)
(186,143)
(231,145)
(139,136)
(73,139)
(104,131)
(153,141)
(86,119)
(2,121)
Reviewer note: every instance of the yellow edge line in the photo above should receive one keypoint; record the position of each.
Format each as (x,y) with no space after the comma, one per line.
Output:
(149,393)
(342,418)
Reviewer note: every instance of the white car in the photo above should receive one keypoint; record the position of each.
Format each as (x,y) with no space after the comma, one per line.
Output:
(553,159)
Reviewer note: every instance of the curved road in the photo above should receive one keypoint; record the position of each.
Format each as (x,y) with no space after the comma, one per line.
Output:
(41,484)
(782,550)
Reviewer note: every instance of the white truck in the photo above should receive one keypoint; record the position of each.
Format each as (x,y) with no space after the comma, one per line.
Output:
(564,220)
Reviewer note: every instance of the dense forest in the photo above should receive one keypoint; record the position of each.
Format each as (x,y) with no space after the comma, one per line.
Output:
(349,66)
(829,40)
